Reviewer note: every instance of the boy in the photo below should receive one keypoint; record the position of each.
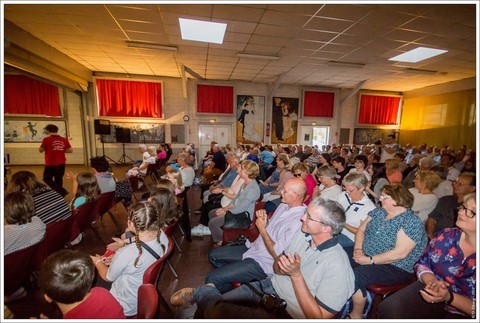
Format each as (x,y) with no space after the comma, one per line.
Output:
(66,278)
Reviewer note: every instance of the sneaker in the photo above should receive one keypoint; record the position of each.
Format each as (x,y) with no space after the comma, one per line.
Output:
(206,231)
(77,240)
(198,230)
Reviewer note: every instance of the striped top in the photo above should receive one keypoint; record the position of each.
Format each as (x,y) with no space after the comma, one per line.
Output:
(18,237)
(50,206)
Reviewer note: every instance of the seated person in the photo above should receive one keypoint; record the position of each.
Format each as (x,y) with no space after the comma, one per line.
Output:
(301,170)
(361,163)
(254,260)
(105,179)
(312,275)
(145,155)
(425,201)
(445,187)
(84,189)
(129,263)
(22,228)
(216,166)
(141,170)
(444,215)
(446,285)
(66,278)
(225,179)
(329,189)
(243,202)
(49,205)
(386,258)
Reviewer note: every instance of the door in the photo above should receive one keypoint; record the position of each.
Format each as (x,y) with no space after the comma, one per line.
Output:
(221,133)
(314,135)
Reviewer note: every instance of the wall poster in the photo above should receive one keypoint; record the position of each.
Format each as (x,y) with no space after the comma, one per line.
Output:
(250,118)
(363,136)
(30,130)
(285,120)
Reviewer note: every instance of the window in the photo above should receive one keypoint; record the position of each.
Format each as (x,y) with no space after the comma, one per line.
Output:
(25,95)
(378,109)
(318,104)
(117,98)
(214,99)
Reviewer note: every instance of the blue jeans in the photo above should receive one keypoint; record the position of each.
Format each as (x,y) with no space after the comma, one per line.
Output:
(244,271)
(225,255)
(239,303)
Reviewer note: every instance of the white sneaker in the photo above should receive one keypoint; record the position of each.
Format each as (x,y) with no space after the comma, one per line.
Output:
(206,231)
(198,230)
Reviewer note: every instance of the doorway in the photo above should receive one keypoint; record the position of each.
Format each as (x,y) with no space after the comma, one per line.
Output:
(314,135)
(221,133)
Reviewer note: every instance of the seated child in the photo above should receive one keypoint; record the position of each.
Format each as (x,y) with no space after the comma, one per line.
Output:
(66,278)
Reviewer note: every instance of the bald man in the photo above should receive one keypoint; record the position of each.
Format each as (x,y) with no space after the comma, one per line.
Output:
(254,260)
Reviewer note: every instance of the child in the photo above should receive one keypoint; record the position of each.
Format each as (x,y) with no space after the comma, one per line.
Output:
(66,278)
(175,177)
(84,189)
(130,262)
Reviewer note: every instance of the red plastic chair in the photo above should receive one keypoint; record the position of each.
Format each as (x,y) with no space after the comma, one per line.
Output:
(18,266)
(383,291)
(56,237)
(152,276)
(104,203)
(83,216)
(147,302)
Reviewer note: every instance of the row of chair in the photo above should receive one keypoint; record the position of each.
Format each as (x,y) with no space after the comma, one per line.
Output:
(21,264)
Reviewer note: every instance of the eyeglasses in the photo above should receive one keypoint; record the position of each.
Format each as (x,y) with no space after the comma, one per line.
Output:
(349,189)
(297,175)
(457,182)
(384,197)
(309,218)
(468,212)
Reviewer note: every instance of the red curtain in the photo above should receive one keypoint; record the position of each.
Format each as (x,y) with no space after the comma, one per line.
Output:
(24,95)
(318,104)
(118,98)
(214,99)
(376,109)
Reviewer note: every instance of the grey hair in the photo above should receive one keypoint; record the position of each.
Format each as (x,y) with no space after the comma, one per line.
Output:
(143,146)
(355,179)
(333,214)
(327,171)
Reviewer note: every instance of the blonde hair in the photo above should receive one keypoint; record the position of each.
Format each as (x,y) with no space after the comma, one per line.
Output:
(251,168)
(431,179)
(177,175)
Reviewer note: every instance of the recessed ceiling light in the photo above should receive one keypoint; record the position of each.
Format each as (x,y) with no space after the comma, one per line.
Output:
(204,31)
(418,54)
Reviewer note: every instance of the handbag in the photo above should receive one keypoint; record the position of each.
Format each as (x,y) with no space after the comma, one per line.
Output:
(215,198)
(237,221)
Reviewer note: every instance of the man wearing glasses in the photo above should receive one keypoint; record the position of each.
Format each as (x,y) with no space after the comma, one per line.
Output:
(314,267)
(445,213)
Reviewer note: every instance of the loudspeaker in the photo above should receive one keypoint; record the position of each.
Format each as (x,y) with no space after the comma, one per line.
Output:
(123,135)
(102,127)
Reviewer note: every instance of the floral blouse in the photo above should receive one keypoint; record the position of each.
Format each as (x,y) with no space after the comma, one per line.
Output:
(444,258)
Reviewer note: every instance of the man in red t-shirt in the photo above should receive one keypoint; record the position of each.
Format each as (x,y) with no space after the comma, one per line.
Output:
(55,148)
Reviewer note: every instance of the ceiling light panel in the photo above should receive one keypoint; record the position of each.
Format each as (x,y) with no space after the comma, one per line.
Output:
(203,31)
(418,54)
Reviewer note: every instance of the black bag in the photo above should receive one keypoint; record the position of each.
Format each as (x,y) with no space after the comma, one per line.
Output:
(272,303)
(215,198)
(237,221)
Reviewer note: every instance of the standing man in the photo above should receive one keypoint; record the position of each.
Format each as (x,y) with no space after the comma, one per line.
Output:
(389,148)
(55,148)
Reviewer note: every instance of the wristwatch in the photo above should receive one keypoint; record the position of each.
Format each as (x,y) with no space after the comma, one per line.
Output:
(450,300)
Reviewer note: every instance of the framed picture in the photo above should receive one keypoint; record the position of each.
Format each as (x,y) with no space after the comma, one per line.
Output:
(285,120)
(250,118)
(30,130)
(177,132)
(363,136)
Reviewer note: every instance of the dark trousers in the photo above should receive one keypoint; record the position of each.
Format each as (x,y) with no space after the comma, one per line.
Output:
(379,274)
(53,177)
(407,303)
(186,215)
(207,207)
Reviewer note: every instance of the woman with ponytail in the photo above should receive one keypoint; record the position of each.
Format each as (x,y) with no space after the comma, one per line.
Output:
(130,262)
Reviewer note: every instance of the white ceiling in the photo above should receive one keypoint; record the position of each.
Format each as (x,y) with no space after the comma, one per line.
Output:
(304,36)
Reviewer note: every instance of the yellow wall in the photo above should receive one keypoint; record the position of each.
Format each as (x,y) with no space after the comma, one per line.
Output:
(444,119)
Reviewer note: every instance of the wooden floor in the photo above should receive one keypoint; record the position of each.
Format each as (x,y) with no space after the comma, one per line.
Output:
(191,265)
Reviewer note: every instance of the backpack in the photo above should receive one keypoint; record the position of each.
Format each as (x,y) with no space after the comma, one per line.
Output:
(124,192)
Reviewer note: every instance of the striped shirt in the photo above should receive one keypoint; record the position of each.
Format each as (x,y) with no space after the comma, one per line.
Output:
(50,206)
(18,237)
